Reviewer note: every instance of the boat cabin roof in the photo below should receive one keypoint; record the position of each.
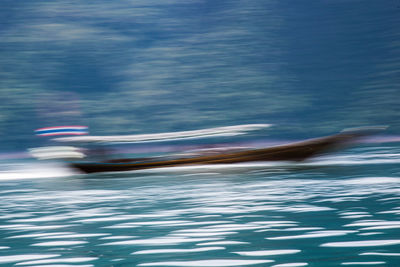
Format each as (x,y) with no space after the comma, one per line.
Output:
(168,136)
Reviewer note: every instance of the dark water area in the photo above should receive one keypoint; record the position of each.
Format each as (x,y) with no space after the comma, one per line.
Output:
(336,210)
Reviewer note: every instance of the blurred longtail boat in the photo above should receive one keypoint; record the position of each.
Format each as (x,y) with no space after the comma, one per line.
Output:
(297,151)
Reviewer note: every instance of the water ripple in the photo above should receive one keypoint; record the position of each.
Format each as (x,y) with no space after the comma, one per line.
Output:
(59,243)
(161,241)
(59,260)
(24,257)
(366,243)
(316,234)
(268,252)
(294,264)
(187,250)
(285,217)
(364,263)
(205,263)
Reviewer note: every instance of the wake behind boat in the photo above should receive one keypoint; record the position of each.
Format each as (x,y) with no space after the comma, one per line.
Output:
(297,151)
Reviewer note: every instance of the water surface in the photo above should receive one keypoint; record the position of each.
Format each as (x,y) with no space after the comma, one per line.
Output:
(337,210)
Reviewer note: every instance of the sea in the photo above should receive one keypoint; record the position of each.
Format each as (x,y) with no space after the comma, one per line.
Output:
(340,209)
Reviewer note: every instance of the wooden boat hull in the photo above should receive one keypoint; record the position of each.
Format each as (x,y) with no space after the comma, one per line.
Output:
(298,151)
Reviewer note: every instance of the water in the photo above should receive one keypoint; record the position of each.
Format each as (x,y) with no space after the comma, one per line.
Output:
(336,210)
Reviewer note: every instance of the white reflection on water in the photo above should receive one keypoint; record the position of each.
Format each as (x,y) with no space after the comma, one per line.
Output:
(58,260)
(294,264)
(59,243)
(365,243)
(34,171)
(381,254)
(188,250)
(268,252)
(38,235)
(316,234)
(224,243)
(205,263)
(161,241)
(247,217)
(364,263)
(16,258)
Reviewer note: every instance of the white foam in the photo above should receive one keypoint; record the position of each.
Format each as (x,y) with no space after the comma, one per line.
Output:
(219,167)
(36,171)
(352,161)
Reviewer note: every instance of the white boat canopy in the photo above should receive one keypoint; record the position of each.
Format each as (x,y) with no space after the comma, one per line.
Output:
(169,136)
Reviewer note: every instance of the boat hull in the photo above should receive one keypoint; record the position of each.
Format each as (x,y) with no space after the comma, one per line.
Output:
(298,151)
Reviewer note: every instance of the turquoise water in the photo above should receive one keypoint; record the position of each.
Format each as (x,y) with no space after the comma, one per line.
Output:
(341,209)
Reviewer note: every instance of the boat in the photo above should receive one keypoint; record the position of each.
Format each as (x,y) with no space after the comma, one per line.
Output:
(297,151)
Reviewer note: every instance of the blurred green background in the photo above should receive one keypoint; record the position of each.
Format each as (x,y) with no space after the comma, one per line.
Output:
(144,66)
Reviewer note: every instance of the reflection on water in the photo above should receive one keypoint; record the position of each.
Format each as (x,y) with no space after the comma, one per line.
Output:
(337,210)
